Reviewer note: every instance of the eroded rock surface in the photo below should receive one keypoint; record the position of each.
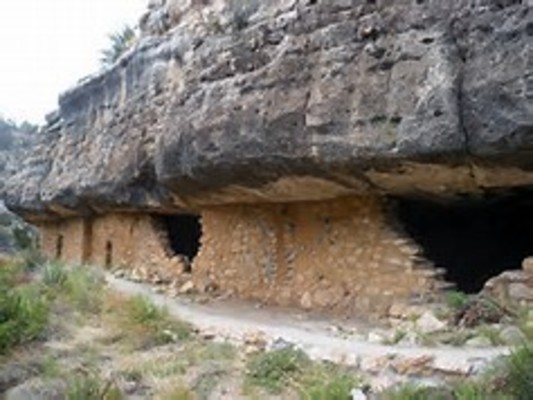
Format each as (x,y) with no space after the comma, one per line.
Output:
(514,287)
(231,102)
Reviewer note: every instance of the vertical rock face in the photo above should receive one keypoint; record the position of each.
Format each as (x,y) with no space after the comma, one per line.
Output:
(321,106)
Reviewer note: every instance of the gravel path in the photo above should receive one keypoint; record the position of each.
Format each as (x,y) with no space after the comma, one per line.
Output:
(238,323)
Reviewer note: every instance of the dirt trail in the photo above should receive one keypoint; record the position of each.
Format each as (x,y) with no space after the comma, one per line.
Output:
(237,323)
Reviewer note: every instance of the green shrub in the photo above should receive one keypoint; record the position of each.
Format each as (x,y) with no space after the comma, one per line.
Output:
(456,300)
(331,386)
(471,391)
(274,369)
(148,325)
(83,288)
(89,386)
(406,391)
(23,314)
(514,375)
(24,237)
(525,322)
(468,390)
(54,275)
(144,312)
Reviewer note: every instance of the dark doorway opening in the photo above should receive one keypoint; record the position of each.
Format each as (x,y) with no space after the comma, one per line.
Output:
(108,254)
(473,239)
(59,246)
(184,233)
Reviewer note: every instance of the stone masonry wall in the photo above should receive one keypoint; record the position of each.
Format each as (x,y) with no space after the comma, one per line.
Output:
(342,256)
(64,240)
(136,243)
(130,241)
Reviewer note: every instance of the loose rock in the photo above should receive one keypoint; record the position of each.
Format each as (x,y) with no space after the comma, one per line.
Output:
(428,323)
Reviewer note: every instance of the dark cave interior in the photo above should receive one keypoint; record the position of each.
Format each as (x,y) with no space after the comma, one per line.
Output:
(473,238)
(184,232)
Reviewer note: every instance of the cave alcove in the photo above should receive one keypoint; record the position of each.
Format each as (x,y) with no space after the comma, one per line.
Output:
(472,238)
(183,232)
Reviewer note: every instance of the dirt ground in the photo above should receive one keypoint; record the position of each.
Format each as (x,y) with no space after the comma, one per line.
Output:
(110,338)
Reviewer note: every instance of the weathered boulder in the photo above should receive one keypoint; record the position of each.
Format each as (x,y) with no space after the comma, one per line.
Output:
(514,286)
(231,102)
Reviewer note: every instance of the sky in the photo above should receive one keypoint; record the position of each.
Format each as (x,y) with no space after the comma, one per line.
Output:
(46,46)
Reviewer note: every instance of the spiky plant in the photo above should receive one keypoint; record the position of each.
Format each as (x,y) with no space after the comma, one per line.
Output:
(121,41)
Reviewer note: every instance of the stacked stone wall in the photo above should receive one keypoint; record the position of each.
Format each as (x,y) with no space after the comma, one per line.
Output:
(129,241)
(64,240)
(342,256)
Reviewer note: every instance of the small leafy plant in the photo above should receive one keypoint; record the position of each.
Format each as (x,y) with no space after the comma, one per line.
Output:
(147,325)
(274,369)
(456,300)
(88,385)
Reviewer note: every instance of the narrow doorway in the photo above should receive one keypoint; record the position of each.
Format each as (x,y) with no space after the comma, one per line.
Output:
(59,246)
(108,254)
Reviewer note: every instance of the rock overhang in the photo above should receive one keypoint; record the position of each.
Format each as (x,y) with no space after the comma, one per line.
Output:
(308,101)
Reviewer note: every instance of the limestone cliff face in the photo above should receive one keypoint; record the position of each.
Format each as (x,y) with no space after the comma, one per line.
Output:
(242,101)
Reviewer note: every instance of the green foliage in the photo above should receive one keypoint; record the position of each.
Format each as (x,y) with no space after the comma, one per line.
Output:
(178,393)
(290,367)
(150,325)
(207,381)
(525,322)
(515,374)
(84,289)
(23,309)
(54,275)
(471,391)
(121,41)
(144,312)
(80,287)
(398,335)
(50,367)
(461,391)
(406,392)
(275,369)
(491,333)
(196,352)
(454,337)
(456,300)
(89,386)
(329,383)
(24,239)
(510,379)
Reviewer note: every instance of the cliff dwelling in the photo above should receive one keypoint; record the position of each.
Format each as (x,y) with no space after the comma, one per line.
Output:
(349,255)
(305,158)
